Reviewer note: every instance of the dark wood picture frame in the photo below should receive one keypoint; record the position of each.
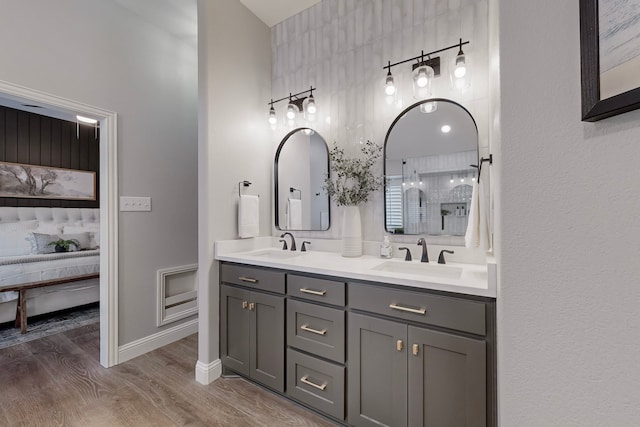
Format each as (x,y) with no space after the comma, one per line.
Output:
(594,108)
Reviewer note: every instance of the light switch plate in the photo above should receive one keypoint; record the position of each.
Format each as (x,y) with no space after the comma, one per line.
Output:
(135,204)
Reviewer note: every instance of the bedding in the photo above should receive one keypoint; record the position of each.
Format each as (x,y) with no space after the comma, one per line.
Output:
(24,236)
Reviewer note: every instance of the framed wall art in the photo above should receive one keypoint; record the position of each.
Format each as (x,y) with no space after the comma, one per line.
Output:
(43,182)
(610,57)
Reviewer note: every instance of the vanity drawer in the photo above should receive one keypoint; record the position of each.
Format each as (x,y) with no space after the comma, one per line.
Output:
(317,383)
(253,277)
(321,290)
(316,329)
(447,312)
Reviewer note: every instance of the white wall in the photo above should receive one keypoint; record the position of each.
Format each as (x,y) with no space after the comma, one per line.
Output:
(96,52)
(233,142)
(340,47)
(570,239)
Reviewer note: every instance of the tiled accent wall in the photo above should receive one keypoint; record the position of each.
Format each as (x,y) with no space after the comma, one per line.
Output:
(340,47)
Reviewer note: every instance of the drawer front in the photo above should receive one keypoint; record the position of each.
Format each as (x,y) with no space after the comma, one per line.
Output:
(316,329)
(447,312)
(317,383)
(312,289)
(253,277)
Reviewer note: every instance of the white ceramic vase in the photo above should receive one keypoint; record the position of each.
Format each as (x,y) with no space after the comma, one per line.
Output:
(351,232)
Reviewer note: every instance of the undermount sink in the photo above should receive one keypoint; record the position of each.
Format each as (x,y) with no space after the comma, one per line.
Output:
(276,254)
(421,269)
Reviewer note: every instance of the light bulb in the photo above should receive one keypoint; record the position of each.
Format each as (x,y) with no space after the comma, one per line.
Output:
(389,86)
(445,129)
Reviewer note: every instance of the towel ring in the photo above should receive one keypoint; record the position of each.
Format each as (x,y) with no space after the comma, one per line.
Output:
(291,190)
(242,184)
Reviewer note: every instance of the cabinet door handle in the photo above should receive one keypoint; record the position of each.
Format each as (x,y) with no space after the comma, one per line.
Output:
(313,331)
(248,279)
(244,305)
(422,311)
(312,292)
(399,345)
(306,381)
(252,306)
(415,349)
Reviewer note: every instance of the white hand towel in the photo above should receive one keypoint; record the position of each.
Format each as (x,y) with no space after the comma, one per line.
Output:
(295,214)
(477,235)
(248,216)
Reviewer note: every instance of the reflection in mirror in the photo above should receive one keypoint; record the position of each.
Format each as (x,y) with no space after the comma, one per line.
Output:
(429,150)
(301,164)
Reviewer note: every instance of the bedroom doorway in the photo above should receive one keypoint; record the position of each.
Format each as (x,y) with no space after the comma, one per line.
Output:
(108,205)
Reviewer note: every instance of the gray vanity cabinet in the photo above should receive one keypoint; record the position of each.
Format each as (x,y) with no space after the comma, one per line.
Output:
(402,374)
(377,374)
(252,331)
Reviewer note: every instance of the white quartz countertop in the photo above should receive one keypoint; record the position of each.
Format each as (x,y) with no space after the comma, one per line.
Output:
(470,279)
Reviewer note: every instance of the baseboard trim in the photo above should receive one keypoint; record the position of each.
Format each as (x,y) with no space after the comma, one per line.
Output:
(157,340)
(206,373)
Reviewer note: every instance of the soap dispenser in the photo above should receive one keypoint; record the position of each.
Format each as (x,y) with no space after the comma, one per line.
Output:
(386,251)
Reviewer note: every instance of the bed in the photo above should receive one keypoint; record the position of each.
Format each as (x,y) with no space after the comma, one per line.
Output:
(24,233)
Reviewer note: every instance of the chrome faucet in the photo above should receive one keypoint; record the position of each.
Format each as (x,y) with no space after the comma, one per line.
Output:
(293,240)
(425,255)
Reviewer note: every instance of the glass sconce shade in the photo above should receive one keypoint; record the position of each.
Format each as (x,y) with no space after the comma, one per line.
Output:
(273,119)
(389,86)
(292,111)
(428,107)
(422,78)
(460,72)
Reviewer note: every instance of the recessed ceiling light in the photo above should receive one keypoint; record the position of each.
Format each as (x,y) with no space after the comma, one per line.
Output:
(86,120)
(445,129)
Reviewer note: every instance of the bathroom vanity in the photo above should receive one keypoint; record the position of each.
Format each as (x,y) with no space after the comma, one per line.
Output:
(366,342)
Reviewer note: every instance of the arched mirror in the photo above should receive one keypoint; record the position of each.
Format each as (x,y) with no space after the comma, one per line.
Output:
(301,165)
(429,150)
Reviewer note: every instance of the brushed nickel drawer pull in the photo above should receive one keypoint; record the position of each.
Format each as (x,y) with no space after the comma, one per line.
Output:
(399,345)
(244,305)
(313,331)
(306,381)
(312,292)
(422,311)
(252,306)
(248,279)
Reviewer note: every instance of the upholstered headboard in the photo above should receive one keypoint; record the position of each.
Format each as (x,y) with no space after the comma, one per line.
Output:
(50,215)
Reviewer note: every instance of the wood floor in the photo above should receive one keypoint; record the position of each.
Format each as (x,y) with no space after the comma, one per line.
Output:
(57,381)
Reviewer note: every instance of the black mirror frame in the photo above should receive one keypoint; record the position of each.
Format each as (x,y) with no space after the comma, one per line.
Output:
(386,139)
(275,179)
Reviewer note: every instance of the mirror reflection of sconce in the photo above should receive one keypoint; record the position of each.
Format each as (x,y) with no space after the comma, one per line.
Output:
(426,68)
(297,103)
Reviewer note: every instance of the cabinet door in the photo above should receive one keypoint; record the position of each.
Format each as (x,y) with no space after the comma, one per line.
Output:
(267,339)
(235,324)
(447,379)
(377,374)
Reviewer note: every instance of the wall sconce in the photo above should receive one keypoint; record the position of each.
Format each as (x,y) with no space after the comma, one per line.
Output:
(297,103)
(425,70)
(460,72)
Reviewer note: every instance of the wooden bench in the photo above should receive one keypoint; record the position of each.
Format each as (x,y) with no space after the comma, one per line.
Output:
(21,308)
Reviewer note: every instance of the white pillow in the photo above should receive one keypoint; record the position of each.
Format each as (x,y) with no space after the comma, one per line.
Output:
(40,243)
(93,228)
(84,239)
(48,228)
(14,238)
